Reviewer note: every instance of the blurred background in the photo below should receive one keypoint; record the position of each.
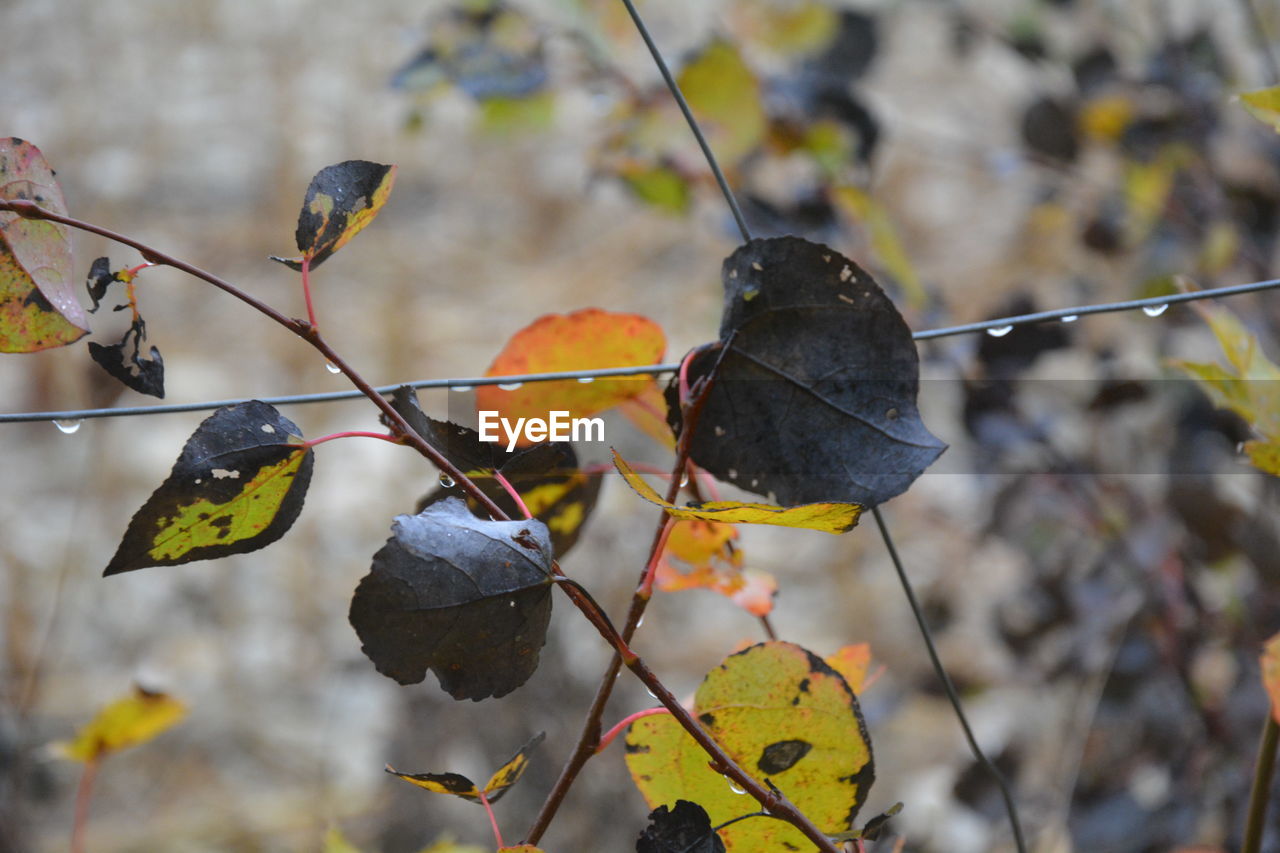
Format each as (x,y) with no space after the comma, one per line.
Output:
(1098,563)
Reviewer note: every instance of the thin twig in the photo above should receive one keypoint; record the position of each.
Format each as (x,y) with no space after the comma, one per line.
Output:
(946,682)
(1263,769)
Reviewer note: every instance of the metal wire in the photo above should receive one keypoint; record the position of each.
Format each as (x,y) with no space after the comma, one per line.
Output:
(644,370)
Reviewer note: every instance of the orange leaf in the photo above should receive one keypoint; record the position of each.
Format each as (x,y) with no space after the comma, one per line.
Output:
(648,411)
(852,662)
(584,340)
(1271,673)
(701,555)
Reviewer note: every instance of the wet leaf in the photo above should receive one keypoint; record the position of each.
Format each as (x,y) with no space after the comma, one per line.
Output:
(724,94)
(828,517)
(38,307)
(341,200)
(125,361)
(780,713)
(1249,385)
(546,476)
(237,486)
(124,723)
(815,401)
(884,241)
(702,555)
(1263,104)
(460,786)
(1271,673)
(683,829)
(584,340)
(467,598)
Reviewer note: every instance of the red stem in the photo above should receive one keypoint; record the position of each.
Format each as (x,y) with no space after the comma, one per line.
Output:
(607,737)
(493,821)
(655,557)
(511,491)
(353,434)
(306,291)
(84,794)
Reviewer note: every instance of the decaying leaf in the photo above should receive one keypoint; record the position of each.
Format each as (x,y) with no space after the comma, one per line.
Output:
(341,200)
(682,829)
(782,714)
(815,401)
(546,476)
(124,723)
(460,786)
(467,598)
(237,486)
(584,340)
(702,555)
(125,361)
(38,307)
(852,662)
(827,517)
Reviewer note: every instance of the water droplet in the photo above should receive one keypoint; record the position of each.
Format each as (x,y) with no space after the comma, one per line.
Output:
(652,695)
(447,481)
(733,786)
(1154,310)
(1070,318)
(641,622)
(586,380)
(510,386)
(331,367)
(460,387)
(999,331)
(68,426)
(684,481)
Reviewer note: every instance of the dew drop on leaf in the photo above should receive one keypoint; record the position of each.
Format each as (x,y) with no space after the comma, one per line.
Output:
(67,427)
(999,331)
(510,386)
(447,481)
(332,368)
(1154,310)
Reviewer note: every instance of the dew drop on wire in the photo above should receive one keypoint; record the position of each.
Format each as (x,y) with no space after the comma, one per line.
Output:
(447,481)
(999,331)
(1070,318)
(460,387)
(586,380)
(331,367)
(67,427)
(510,386)
(1154,310)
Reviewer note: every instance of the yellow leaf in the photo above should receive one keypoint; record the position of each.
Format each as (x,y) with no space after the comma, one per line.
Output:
(1248,386)
(124,723)
(781,714)
(1147,188)
(725,96)
(460,786)
(1105,118)
(1263,104)
(883,238)
(447,844)
(827,517)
